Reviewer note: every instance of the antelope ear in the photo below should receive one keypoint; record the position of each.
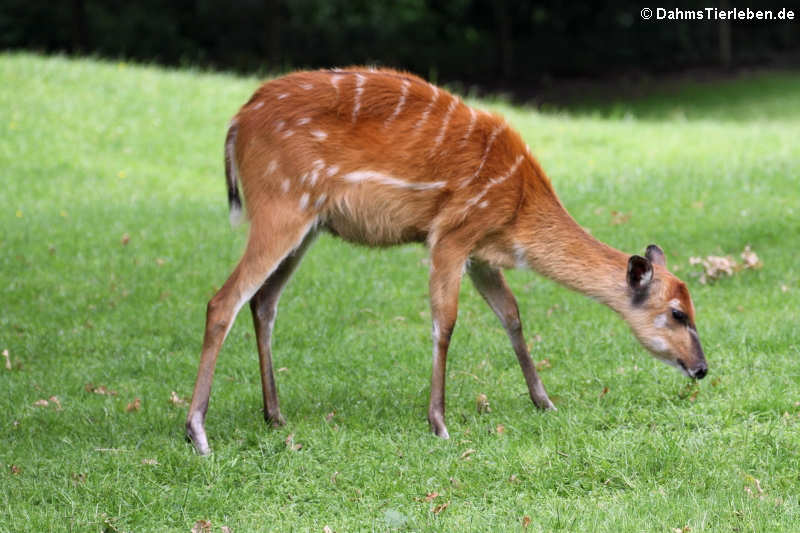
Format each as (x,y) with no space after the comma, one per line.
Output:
(640,273)
(656,255)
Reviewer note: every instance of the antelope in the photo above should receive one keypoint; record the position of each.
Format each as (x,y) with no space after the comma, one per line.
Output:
(381,157)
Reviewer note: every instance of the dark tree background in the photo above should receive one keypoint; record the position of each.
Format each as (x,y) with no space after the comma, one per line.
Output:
(475,41)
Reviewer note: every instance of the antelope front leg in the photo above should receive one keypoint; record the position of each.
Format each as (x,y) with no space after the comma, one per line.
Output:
(493,287)
(445,281)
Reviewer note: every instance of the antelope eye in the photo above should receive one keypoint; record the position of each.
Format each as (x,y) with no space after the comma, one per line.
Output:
(680,316)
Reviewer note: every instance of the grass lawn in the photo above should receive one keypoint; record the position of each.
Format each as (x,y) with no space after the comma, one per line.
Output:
(114,233)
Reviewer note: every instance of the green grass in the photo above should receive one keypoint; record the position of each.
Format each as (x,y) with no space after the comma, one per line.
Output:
(91,151)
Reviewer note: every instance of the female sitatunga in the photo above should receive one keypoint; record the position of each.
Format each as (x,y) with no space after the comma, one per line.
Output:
(380,157)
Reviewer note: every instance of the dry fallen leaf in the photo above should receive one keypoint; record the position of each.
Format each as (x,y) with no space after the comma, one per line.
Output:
(526,521)
(125,239)
(603,392)
(135,405)
(15,470)
(291,444)
(55,401)
(544,363)
(8,358)
(618,218)
(174,399)
(330,416)
(41,403)
(431,496)
(482,404)
(513,478)
(201,526)
(226,529)
(466,454)
(684,529)
(500,429)
(282,369)
(439,508)
(99,389)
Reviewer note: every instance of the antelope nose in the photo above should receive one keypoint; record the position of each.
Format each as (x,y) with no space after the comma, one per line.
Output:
(701,371)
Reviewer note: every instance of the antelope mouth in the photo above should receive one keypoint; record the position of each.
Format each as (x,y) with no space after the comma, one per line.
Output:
(694,373)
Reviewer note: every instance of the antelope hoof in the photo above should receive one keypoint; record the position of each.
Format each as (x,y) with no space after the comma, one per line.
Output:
(196,433)
(438,427)
(275,419)
(544,403)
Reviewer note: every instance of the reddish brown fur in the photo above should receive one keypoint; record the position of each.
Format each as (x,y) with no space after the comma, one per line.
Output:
(381,157)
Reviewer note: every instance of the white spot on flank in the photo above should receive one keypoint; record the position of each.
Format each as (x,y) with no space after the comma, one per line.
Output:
(483,204)
(360,80)
(400,103)
(445,122)
(494,181)
(320,201)
(304,200)
(282,96)
(332,170)
(303,121)
(272,167)
(306,86)
(660,321)
(385,179)
(285,185)
(319,135)
(473,117)
(279,126)
(258,105)
(288,134)
(492,137)
(335,79)
(427,112)
(676,304)
(318,165)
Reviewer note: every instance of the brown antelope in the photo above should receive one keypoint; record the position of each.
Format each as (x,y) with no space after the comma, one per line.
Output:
(381,157)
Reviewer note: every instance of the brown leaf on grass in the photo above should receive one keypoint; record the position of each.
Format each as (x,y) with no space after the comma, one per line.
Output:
(618,218)
(15,470)
(7,358)
(282,369)
(201,526)
(603,392)
(225,529)
(55,401)
(135,405)
(431,496)
(125,239)
(41,403)
(160,261)
(174,399)
(716,267)
(466,455)
(684,529)
(330,416)
(78,478)
(439,508)
(500,429)
(291,444)
(99,389)
(544,363)
(482,404)
(526,521)
(513,478)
